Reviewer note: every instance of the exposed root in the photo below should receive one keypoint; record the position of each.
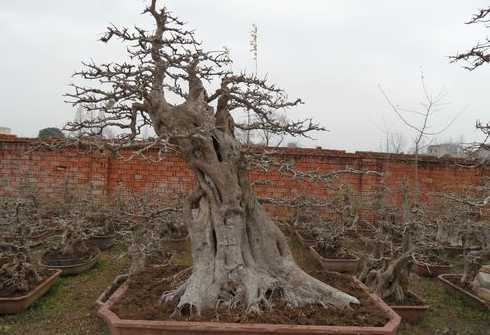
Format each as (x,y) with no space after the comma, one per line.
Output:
(254,295)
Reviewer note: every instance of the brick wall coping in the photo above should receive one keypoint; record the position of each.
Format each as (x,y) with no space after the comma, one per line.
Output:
(310,153)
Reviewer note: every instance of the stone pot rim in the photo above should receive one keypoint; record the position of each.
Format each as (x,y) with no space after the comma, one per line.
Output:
(114,322)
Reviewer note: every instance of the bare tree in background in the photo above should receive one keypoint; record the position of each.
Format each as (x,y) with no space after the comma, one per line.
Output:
(240,257)
(423,127)
(395,143)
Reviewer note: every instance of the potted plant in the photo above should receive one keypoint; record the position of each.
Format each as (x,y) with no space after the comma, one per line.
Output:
(390,278)
(170,225)
(329,250)
(391,283)
(101,229)
(74,253)
(306,218)
(474,283)
(20,282)
(430,264)
(126,306)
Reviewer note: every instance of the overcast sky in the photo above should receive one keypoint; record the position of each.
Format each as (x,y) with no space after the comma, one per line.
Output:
(331,53)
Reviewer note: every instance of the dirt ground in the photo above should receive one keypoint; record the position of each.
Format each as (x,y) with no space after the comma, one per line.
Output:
(69,307)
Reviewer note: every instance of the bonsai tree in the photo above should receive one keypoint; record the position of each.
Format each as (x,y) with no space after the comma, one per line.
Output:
(389,277)
(100,223)
(392,280)
(17,274)
(74,242)
(51,132)
(329,237)
(239,255)
(145,249)
(151,208)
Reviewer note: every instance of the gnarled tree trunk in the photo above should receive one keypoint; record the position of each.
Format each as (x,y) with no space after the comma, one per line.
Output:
(239,255)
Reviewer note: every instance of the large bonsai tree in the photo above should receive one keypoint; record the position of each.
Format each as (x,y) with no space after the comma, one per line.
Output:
(240,257)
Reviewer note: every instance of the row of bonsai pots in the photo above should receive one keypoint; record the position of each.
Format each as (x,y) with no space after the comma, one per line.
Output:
(53,264)
(431,266)
(57,265)
(70,248)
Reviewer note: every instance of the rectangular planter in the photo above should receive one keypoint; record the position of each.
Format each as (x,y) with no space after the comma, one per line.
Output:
(469,296)
(119,326)
(337,264)
(412,314)
(16,305)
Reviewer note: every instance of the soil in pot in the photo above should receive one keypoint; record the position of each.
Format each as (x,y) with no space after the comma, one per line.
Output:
(135,305)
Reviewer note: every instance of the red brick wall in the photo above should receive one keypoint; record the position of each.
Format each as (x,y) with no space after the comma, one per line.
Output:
(24,167)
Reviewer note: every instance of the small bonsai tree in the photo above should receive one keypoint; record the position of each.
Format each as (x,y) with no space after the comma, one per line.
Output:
(329,237)
(100,223)
(75,241)
(17,274)
(389,277)
(392,280)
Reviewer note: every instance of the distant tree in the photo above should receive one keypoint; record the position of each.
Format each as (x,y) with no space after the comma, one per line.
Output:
(394,143)
(422,126)
(50,132)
